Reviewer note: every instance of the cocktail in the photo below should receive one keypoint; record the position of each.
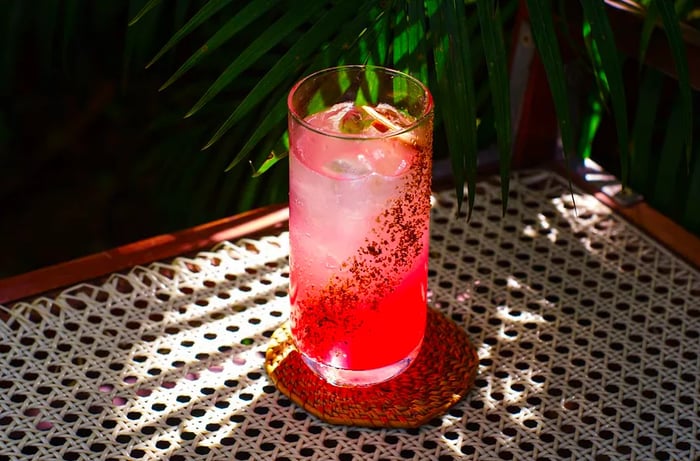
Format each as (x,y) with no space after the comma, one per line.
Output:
(360,178)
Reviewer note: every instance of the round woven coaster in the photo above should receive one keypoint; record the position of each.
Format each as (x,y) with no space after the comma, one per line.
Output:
(442,373)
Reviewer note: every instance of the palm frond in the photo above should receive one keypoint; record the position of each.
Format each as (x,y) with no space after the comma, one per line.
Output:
(376,42)
(670,162)
(238,22)
(136,36)
(272,119)
(290,64)
(494,49)
(279,152)
(209,9)
(671,24)
(602,35)
(349,37)
(455,91)
(642,174)
(410,50)
(650,19)
(277,31)
(544,33)
(440,42)
(146,8)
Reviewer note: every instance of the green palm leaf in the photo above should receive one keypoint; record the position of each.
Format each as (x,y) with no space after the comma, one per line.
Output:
(376,43)
(289,22)
(650,19)
(544,33)
(208,10)
(641,175)
(603,38)
(364,47)
(273,157)
(404,34)
(409,48)
(677,45)
(144,32)
(455,91)
(272,119)
(290,63)
(349,39)
(243,18)
(494,49)
(146,8)
(670,162)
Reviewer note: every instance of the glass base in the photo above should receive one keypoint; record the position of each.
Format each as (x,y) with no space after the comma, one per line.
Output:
(344,377)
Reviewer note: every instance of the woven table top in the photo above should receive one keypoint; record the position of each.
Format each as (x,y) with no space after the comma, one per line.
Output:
(588,335)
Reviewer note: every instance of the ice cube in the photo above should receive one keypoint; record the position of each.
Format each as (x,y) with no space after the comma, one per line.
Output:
(391,158)
(348,168)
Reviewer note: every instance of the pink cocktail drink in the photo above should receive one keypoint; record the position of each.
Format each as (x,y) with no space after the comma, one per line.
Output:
(359,214)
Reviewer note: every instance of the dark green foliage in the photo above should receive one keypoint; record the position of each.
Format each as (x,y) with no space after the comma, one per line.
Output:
(81,110)
(407,35)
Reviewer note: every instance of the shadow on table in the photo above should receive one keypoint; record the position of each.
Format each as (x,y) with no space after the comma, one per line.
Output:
(587,338)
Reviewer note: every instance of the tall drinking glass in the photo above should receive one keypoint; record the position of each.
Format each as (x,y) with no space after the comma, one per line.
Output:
(360,178)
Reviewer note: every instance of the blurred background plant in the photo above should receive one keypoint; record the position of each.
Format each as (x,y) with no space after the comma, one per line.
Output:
(661,97)
(94,155)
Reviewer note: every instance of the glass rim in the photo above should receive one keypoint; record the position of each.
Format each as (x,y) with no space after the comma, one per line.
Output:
(427,110)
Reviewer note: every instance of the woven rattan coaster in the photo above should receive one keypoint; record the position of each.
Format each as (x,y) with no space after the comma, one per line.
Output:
(440,376)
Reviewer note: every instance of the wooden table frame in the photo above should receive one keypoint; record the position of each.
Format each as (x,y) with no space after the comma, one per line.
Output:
(271,219)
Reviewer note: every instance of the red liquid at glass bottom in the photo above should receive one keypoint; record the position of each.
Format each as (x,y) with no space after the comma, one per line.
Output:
(354,343)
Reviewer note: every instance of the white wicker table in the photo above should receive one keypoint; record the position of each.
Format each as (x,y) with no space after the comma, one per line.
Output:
(588,336)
